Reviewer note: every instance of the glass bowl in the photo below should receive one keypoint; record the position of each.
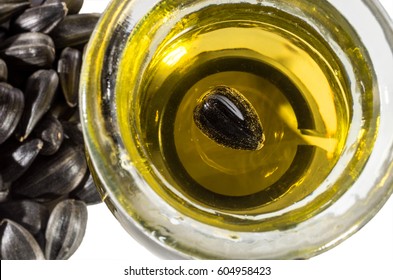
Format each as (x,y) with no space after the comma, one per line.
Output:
(165,220)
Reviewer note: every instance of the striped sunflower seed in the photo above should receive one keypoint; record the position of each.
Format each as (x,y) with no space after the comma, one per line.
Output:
(34,3)
(16,160)
(53,176)
(30,214)
(87,192)
(65,230)
(3,33)
(17,243)
(50,131)
(11,108)
(73,132)
(11,8)
(40,90)
(4,190)
(3,71)
(74,6)
(31,49)
(74,30)
(43,18)
(69,67)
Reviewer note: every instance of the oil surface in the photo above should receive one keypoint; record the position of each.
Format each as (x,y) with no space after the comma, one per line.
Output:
(284,70)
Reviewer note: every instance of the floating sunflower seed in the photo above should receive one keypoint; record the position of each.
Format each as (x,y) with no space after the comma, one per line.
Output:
(11,8)
(32,215)
(43,18)
(65,230)
(50,131)
(69,68)
(39,93)
(74,30)
(3,71)
(17,243)
(31,49)
(228,118)
(87,192)
(18,159)
(11,109)
(53,176)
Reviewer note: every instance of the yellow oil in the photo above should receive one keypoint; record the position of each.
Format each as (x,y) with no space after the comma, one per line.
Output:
(293,80)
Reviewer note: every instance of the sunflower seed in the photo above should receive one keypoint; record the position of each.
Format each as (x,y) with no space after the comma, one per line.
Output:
(11,8)
(228,118)
(40,90)
(17,243)
(34,3)
(74,6)
(31,49)
(73,132)
(3,71)
(69,67)
(11,109)
(65,230)
(60,108)
(74,30)
(43,18)
(53,176)
(14,1)
(3,33)
(50,131)
(32,215)
(87,192)
(18,159)
(4,190)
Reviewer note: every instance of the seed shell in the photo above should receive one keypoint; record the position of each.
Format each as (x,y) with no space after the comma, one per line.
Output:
(66,228)
(17,243)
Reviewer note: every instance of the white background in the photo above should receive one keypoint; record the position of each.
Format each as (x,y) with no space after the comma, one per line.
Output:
(105,239)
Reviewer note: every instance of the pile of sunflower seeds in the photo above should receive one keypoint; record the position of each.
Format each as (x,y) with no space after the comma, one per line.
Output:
(45,184)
